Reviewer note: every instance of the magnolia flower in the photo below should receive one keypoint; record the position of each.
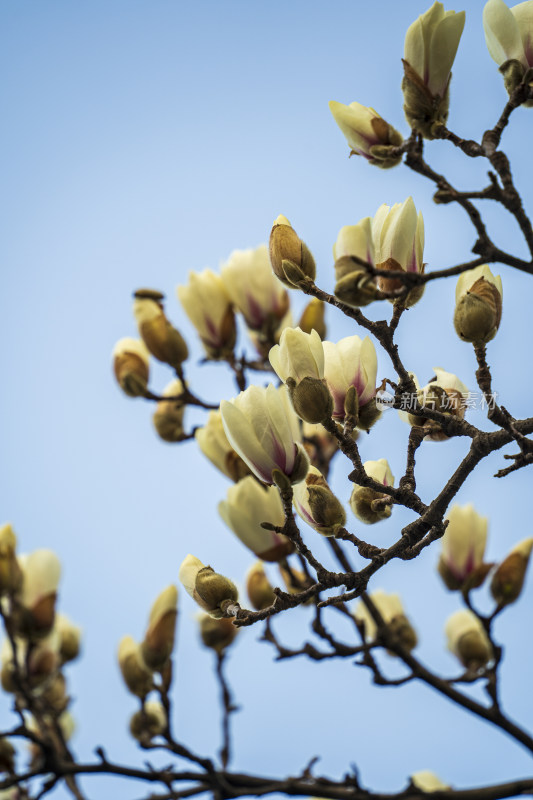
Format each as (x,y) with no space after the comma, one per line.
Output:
(253,289)
(258,587)
(69,638)
(392,612)
(149,722)
(398,233)
(463,547)
(313,318)
(137,677)
(299,361)
(160,337)
(41,572)
(478,305)
(365,502)
(508,580)
(352,362)
(213,592)
(131,365)
(207,303)
(509,37)
(217,634)
(431,44)
(214,444)
(367,133)
(355,286)
(446,394)
(317,505)
(248,504)
(290,258)
(263,429)
(38,660)
(10,572)
(158,641)
(427,781)
(467,639)
(355,240)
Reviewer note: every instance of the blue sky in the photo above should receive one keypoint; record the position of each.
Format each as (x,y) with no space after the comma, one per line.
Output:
(141,140)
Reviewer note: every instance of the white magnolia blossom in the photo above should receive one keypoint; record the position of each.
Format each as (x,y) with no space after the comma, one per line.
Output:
(350,362)
(398,233)
(253,287)
(247,505)
(389,606)
(467,638)
(463,543)
(207,303)
(42,571)
(214,444)
(355,240)
(189,569)
(431,44)
(364,129)
(380,471)
(264,430)
(509,32)
(298,355)
(136,347)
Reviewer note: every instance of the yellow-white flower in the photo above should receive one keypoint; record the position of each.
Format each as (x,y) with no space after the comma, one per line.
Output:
(446,394)
(207,303)
(137,677)
(431,44)
(247,505)
(427,781)
(214,444)
(212,592)
(159,638)
(263,429)
(253,288)
(317,505)
(41,572)
(298,355)
(367,133)
(350,362)
(467,639)
(365,502)
(398,233)
(355,240)
(463,545)
(509,32)
(131,364)
(392,612)
(478,305)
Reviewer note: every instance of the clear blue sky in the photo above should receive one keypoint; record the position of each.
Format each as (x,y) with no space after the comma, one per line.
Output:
(144,139)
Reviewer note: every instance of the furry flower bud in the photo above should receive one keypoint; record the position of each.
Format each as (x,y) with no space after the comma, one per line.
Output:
(431,44)
(467,639)
(313,318)
(463,547)
(367,133)
(217,634)
(131,365)
(290,258)
(212,592)
(160,337)
(258,587)
(207,303)
(136,675)
(398,233)
(509,33)
(158,642)
(69,638)
(367,503)
(168,415)
(317,505)
(508,580)
(478,305)
(150,722)
(391,609)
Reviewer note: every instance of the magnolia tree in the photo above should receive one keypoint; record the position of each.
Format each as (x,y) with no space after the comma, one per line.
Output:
(301,424)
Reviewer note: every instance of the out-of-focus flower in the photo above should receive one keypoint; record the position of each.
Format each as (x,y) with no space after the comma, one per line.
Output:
(212,592)
(217,634)
(41,572)
(445,393)
(69,638)
(207,303)
(7,756)
(151,721)
(427,781)
(168,415)
(366,503)
(509,37)
(214,444)
(463,547)
(508,580)
(317,505)
(314,317)
(467,639)
(431,44)
(398,233)
(478,305)
(263,429)
(290,258)
(355,286)
(137,677)
(247,505)
(37,662)
(10,572)
(392,612)
(320,445)
(158,642)
(258,587)
(161,338)
(296,581)
(367,133)
(352,362)
(253,289)
(131,364)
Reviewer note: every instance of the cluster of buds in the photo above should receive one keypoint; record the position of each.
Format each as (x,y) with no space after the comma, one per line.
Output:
(368,134)
(478,305)
(390,608)
(213,592)
(370,505)
(461,565)
(41,642)
(444,393)
(431,44)
(509,37)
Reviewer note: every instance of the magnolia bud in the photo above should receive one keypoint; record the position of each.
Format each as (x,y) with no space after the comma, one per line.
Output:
(296,581)
(55,693)
(317,505)
(217,634)
(69,638)
(168,415)
(366,503)
(355,285)
(149,722)
(311,399)
(136,675)
(159,639)
(508,580)
(468,640)
(313,318)
(131,364)
(463,547)
(7,756)
(160,337)
(290,258)
(478,308)
(10,572)
(212,592)
(391,609)
(258,587)
(41,570)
